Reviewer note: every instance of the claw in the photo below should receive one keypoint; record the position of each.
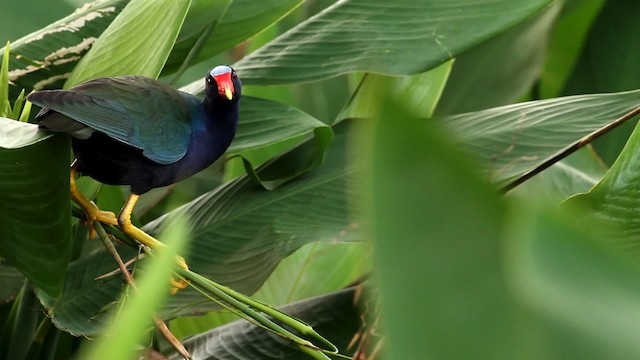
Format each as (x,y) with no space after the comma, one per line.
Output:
(95,214)
(124,221)
(182,263)
(179,284)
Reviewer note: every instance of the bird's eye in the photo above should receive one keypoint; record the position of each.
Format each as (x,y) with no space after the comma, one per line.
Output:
(234,75)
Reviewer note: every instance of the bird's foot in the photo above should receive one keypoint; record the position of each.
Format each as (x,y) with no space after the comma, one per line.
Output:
(179,284)
(95,214)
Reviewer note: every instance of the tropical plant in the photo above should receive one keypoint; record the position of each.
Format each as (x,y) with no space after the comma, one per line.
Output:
(472,150)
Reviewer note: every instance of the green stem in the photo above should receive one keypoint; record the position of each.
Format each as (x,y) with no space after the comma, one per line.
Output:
(245,304)
(296,324)
(223,293)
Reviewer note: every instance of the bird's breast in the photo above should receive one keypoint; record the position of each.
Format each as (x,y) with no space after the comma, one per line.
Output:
(206,146)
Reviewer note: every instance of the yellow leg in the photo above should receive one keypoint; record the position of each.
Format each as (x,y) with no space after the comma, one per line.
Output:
(89,207)
(124,220)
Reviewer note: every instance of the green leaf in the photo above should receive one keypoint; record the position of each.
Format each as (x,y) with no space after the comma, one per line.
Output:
(514,139)
(201,14)
(566,43)
(597,70)
(292,163)
(240,234)
(422,91)
(335,315)
(45,58)
(202,18)
(402,37)
(264,122)
(11,280)
(578,173)
(607,64)
(15,135)
(267,122)
(235,165)
(508,65)
(138,41)
(242,19)
(34,206)
(15,22)
(613,201)
(315,269)
(454,304)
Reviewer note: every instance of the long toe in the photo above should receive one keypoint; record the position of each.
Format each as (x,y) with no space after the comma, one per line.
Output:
(95,214)
(107,217)
(181,262)
(178,284)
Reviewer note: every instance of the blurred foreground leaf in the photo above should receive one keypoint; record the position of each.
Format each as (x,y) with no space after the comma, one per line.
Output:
(422,190)
(132,322)
(581,297)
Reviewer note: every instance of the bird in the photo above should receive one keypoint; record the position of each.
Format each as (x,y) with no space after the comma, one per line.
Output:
(137,131)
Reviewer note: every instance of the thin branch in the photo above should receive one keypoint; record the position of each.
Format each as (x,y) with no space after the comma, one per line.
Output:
(118,270)
(570,150)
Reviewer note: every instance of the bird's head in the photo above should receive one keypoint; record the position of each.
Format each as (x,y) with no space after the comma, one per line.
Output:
(222,82)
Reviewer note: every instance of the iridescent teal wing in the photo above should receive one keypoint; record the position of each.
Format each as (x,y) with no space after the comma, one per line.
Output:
(139,111)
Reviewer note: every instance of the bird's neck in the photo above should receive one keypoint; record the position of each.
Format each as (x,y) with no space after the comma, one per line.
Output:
(220,113)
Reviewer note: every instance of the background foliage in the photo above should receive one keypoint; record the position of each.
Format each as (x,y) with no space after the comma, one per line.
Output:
(365,125)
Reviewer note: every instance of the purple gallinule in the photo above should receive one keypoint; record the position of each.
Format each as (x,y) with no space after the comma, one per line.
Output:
(137,131)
